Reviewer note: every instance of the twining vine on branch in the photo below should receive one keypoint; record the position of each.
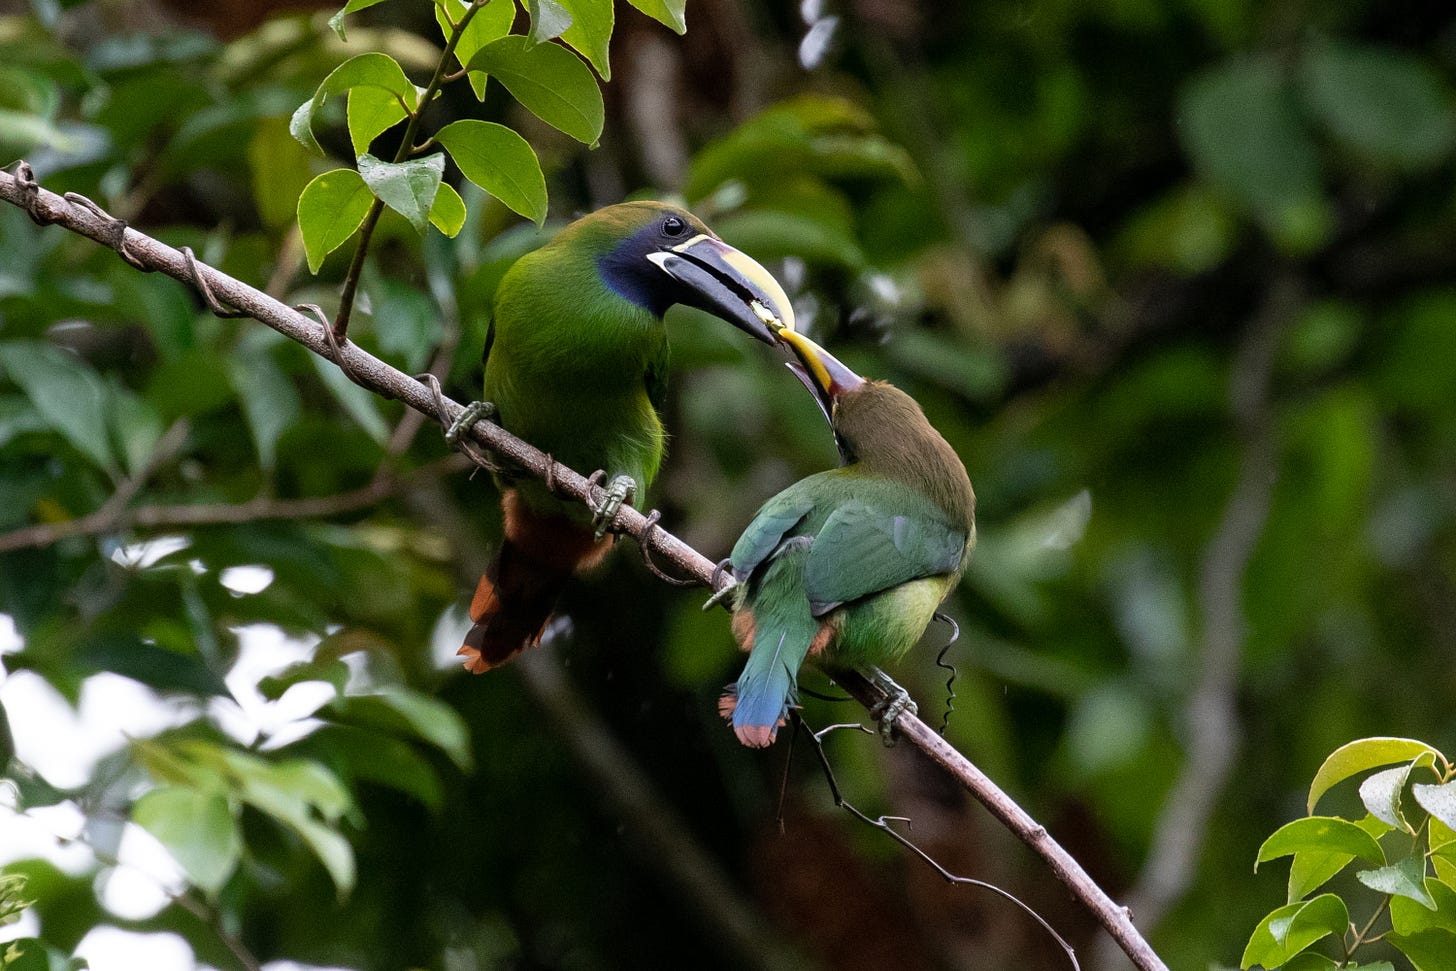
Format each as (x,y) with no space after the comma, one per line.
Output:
(310,327)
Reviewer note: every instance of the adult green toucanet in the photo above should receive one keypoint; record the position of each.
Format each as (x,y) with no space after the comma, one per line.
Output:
(576,364)
(848,566)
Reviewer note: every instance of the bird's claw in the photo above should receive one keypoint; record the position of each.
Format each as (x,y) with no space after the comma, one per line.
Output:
(622,488)
(721,595)
(473,412)
(895,703)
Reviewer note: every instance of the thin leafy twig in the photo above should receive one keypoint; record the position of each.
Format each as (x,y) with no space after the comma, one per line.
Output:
(372,373)
(406,146)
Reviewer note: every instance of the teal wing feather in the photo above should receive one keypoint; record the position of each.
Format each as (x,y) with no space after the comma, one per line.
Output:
(775,519)
(865,548)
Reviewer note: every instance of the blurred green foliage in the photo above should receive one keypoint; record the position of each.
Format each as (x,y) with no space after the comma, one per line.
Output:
(1066,228)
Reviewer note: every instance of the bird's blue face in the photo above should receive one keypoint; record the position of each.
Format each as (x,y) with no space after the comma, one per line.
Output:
(673,258)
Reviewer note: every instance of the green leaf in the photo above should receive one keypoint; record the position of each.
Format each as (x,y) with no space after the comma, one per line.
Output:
(1357,756)
(590,33)
(1290,929)
(280,169)
(291,792)
(1432,950)
(1242,129)
(1320,834)
(1408,916)
(548,20)
(406,187)
(1310,961)
(410,327)
(68,394)
(381,759)
(135,427)
(1387,105)
(550,81)
(499,161)
(400,710)
(1380,792)
(330,210)
(1405,878)
(490,23)
(372,111)
(353,6)
(197,828)
(334,672)
(669,12)
(1439,801)
(1311,868)
(360,404)
(270,403)
(371,70)
(448,213)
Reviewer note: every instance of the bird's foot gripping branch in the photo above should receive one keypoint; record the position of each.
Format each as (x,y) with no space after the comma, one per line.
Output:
(148,254)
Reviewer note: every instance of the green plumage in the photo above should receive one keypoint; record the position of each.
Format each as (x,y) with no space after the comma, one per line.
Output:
(575,368)
(849,565)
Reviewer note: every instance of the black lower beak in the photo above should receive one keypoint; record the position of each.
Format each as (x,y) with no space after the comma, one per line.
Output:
(729,284)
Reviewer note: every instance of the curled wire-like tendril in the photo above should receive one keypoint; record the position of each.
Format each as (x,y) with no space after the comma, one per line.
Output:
(943,664)
(644,540)
(115,228)
(882,823)
(203,287)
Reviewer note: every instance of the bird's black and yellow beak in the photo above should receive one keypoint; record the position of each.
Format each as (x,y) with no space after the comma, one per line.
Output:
(727,283)
(822,373)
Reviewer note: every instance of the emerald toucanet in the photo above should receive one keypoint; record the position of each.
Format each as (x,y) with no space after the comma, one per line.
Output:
(848,566)
(576,364)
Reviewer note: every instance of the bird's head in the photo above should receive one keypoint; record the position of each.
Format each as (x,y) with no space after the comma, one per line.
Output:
(656,255)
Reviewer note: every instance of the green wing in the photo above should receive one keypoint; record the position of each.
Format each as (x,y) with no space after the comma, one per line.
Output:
(865,547)
(774,521)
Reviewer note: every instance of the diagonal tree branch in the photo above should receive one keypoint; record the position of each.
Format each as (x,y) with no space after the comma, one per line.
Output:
(84,218)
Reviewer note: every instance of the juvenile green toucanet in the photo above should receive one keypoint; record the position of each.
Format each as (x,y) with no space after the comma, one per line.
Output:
(576,363)
(848,566)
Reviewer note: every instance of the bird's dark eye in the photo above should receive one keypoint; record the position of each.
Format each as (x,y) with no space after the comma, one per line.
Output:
(673,226)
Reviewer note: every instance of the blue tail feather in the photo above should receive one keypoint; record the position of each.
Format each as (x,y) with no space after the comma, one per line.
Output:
(784,630)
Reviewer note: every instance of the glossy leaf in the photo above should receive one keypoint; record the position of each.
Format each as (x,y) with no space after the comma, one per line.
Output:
(548,19)
(1439,801)
(1430,950)
(1320,834)
(1355,757)
(1380,792)
(330,210)
(447,214)
(1406,878)
(499,161)
(1310,869)
(590,33)
(372,70)
(1409,916)
(66,392)
(371,112)
(197,828)
(408,188)
(1384,103)
(550,81)
(490,23)
(669,12)
(1290,929)
(353,6)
